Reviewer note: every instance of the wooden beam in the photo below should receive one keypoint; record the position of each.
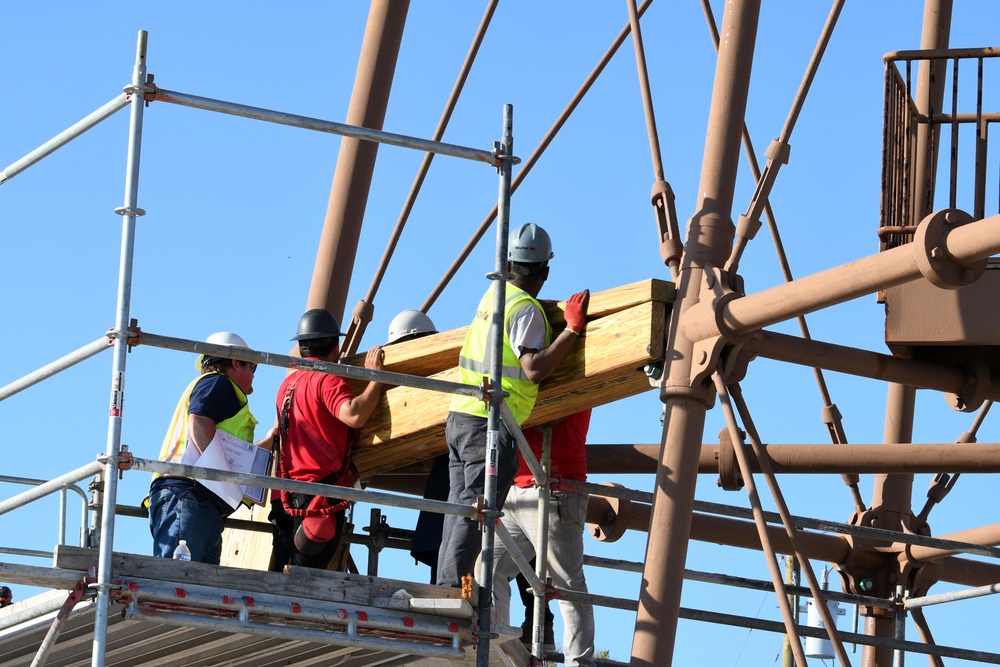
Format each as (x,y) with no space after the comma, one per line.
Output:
(439,352)
(605,365)
(44,577)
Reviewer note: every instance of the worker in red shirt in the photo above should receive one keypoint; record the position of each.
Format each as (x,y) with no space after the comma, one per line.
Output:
(318,418)
(567,518)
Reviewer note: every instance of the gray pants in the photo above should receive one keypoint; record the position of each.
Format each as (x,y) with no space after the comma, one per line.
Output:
(567,515)
(461,539)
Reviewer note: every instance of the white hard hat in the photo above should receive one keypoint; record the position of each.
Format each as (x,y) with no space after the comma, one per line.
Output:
(408,323)
(221,338)
(529,244)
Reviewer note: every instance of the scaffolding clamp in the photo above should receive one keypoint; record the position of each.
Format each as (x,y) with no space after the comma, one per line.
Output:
(124,460)
(499,156)
(134,335)
(147,88)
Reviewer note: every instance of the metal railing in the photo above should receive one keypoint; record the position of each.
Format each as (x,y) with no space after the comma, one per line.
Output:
(914,132)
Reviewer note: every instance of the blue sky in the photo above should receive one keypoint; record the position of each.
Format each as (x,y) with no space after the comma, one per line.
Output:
(235,207)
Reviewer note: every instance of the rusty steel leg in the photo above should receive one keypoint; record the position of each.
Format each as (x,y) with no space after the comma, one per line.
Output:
(892,494)
(890,511)
(345,212)
(709,240)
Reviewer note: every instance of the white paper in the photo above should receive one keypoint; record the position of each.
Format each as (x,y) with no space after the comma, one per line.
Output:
(227,452)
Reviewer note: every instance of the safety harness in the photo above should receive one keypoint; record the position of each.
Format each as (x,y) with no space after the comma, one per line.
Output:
(346,476)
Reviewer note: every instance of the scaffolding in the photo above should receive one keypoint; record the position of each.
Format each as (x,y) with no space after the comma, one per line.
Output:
(318,621)
(200,606)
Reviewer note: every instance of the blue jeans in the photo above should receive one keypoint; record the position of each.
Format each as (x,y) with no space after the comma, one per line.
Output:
(185,510)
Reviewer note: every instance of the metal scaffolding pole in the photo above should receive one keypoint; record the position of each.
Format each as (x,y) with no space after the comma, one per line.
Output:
(47,371)
(45,488)
(499,278)
(129,211)
(64,137)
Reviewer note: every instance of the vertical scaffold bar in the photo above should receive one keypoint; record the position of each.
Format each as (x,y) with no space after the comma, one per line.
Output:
(129,212)
(542,552)
(499,276)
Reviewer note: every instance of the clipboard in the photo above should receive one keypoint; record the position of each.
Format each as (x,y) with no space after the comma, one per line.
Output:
(227,452)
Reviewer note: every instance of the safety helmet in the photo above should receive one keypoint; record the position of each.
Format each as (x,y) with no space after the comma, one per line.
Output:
(220,338)
(529,244)
(317,323)
(409,323)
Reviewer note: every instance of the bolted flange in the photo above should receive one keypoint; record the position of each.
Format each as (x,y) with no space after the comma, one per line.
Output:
(939,267)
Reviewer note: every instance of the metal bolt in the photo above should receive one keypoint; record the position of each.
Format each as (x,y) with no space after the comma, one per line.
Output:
(865,584)
(936,253)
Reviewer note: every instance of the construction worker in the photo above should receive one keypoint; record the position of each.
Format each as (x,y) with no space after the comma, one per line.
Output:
(318,418)
(6,597)
(530,355)
(180,508)
(426,543)
(409,325)
(567,519)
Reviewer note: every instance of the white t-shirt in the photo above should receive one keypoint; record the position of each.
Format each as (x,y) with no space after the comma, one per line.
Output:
(527,328)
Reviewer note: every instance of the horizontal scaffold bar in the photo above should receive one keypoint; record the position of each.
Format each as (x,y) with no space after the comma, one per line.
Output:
(327,126)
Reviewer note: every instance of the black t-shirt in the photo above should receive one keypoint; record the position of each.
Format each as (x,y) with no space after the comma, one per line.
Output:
(213,396)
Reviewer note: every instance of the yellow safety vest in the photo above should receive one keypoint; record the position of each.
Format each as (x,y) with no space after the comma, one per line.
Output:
(241,424)
(473,367)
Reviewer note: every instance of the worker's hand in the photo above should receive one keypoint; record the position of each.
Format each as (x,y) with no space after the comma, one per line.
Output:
(576,312)
(375,358)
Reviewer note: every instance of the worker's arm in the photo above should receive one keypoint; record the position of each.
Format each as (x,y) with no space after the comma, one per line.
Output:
(356,411)
(540,364)
(267,442)
(201,430)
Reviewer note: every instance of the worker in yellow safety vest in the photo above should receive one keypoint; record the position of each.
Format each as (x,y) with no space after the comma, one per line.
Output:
(529,356)
(181,508)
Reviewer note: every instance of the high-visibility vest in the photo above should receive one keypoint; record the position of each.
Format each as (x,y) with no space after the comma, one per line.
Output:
(473,367)
(241,424)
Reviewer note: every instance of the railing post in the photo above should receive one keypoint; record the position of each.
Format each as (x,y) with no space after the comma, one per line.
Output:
(129,211)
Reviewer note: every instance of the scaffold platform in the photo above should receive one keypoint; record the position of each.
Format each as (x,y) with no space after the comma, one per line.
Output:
(168,612)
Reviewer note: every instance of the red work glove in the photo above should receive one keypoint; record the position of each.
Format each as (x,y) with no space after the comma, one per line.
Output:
(576,312)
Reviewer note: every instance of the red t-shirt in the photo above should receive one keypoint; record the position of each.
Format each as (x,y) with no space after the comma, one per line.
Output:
(569,458)
(317,440)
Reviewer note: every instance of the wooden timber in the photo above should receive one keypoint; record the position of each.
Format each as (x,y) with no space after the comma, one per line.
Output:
(605,365)
(626,329)
(433,354)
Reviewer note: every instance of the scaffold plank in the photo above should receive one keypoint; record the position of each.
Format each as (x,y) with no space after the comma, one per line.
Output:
(302,582)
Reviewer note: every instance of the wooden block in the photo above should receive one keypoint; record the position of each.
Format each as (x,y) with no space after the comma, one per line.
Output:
(248,549)
(434,354)
(605,365)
